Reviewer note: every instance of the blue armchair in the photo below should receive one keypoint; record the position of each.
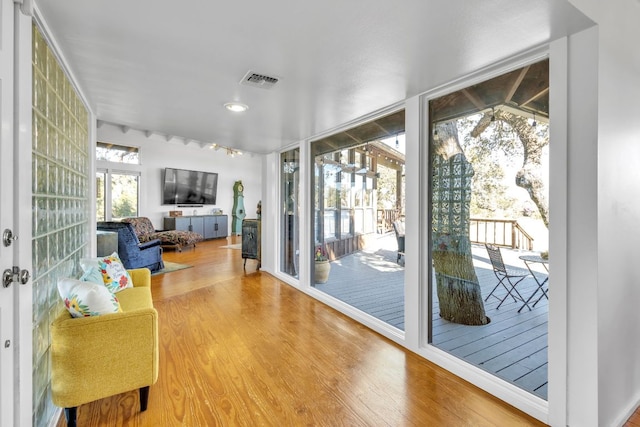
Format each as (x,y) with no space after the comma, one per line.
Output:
(133,253)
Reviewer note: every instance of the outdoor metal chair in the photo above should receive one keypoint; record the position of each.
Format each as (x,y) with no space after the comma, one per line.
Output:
(508,277)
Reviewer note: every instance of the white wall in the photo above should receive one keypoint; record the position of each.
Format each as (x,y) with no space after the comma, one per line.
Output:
(618,207)
(580,233)
(156,154)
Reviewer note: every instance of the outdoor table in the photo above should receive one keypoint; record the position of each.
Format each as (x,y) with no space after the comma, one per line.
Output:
(528,261)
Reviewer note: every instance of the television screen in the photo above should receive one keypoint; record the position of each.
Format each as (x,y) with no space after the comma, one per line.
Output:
(186,187)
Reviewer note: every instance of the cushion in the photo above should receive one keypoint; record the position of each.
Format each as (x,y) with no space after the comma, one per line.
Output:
(114,276)
(83,299)
(141,225)
(93,275)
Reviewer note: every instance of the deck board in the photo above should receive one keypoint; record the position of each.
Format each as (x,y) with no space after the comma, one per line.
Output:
(513,346)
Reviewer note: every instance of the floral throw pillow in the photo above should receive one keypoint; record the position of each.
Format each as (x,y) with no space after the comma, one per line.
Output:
(84,299)
(114,276)
(92,275)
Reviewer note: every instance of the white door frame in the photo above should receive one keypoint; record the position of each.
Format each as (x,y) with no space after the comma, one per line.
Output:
(23,111)
(15,213)
(7,295)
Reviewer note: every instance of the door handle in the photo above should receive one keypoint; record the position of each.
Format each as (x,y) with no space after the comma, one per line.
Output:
(14,274)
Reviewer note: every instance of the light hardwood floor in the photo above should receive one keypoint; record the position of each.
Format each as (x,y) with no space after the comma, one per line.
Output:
(244,349)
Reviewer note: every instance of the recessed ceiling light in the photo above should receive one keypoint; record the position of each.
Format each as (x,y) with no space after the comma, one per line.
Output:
(236,107)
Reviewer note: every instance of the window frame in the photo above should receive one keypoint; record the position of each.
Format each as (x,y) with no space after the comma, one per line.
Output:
(108,197)
(110,168)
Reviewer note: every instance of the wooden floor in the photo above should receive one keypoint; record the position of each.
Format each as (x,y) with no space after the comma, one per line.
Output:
(244,349)
(513,346)
(634,420)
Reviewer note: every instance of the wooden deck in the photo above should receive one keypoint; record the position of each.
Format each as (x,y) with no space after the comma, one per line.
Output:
(513,346)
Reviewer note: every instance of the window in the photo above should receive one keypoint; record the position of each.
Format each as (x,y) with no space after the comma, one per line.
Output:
(348,187)
(290,179)
(488,214)
(100,198)
(117,153)
(124,196)
(117,190)
(117,195)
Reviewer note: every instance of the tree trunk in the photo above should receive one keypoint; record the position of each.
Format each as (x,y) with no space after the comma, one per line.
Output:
(457,285)
(458,289)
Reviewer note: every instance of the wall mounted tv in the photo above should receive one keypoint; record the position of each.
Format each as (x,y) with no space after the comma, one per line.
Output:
(187,187)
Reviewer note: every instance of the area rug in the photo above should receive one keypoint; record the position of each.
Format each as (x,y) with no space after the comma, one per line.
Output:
(234,246)
(171,266)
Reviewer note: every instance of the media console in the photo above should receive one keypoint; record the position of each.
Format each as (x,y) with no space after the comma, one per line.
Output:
(210,226)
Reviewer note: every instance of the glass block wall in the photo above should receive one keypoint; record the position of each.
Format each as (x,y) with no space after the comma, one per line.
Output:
(60,192)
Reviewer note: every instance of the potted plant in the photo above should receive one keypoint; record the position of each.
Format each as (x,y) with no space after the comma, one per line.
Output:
(322,265)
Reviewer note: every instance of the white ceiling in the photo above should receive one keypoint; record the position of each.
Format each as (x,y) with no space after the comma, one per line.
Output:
(169,66)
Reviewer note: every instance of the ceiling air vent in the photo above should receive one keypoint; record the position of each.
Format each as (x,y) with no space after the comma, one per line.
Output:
(259,80)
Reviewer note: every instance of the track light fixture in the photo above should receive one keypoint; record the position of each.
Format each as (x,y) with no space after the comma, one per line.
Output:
(230,151)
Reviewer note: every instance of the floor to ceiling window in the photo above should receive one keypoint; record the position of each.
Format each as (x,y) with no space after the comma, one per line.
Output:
(60,156)
(290,181)
(488,146)
(358,196)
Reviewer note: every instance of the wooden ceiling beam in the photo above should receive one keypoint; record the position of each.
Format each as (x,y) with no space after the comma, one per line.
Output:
(379,126)
(389,163)
(475,99)
(516,84)
(352,137)
(536,96)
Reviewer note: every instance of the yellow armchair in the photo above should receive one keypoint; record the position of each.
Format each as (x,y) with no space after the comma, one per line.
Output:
(100,356)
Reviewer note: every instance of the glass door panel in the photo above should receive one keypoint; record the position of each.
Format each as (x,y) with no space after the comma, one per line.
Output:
(290,191)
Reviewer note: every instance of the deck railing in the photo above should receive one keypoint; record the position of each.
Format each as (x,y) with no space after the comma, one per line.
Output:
(385,218)
(500,232)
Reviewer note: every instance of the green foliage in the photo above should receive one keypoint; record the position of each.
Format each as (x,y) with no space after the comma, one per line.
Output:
(100,202)
(124,196)
(494,152)
(387,190)
(124,207)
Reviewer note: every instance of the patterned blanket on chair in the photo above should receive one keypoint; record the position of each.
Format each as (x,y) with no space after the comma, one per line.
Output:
(145,232)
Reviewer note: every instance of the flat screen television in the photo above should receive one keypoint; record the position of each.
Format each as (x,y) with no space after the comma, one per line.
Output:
(187,187)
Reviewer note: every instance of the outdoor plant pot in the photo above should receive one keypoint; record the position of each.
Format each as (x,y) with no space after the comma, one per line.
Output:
(322,271)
